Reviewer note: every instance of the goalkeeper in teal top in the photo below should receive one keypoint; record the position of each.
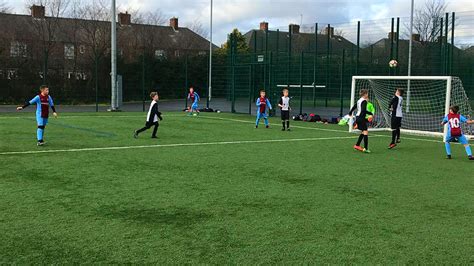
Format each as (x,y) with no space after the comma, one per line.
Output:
(43,102)
(454,134)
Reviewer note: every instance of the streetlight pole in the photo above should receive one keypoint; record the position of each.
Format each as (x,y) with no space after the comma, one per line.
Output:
(410,49)
(113,56)
(209,92)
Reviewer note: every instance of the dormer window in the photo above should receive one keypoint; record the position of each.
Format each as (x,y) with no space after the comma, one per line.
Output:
(69,51)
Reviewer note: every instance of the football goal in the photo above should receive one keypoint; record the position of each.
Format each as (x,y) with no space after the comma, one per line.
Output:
(426,101)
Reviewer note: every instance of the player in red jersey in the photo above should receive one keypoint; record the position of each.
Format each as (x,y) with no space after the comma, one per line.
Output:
(454,134)
(43,102)
(262,104)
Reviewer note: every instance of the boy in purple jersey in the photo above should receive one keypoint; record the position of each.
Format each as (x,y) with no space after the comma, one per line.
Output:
(43,101)
(194,98)
(454,134)
(262,104)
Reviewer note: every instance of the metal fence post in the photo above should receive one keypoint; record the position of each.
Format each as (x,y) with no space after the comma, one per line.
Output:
(253,65)
(390,72)
(397,42)
(186,81)
(315,62)
(328,33)
(288,70)
(301,82)
(341,88)
(143,81)
(446,52)
(358,48)
(96,73)
(250,89)
(453,22)
(441,53)
(233,72)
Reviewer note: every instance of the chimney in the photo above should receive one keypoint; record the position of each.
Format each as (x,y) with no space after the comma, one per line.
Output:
(174,23)
(264,26)
(329,31)
(415,37)
(442,39)
(37,11)
(124,19)
(294,29)
(394,35)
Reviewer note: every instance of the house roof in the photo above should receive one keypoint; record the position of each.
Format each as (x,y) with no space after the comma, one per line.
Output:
(300,41)
(23,27)
(403,44)
(470,50)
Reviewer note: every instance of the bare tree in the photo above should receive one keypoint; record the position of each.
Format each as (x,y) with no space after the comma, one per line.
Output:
(339,32)
(71,29)
(95,30)
(198,28)
(4,8)
(427,20)
(95,34)
(47,28)
(155,17)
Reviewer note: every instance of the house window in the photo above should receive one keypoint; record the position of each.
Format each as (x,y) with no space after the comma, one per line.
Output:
(159,54)
(17,49)
(77,75)
(176,53)
(69,51)
(12,73)
(202,53)
(82,49)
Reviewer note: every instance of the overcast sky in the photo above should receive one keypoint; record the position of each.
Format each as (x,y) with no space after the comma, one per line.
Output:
(246,14)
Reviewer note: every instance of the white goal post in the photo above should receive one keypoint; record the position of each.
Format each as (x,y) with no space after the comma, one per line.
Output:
(426,101)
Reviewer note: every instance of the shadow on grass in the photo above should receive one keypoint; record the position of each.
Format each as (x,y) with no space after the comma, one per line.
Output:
(358,193)
(178,217)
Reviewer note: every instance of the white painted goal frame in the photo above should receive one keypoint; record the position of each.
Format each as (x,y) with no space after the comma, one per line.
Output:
(448,79)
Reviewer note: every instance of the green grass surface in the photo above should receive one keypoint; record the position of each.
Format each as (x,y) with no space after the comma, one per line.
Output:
(305,200)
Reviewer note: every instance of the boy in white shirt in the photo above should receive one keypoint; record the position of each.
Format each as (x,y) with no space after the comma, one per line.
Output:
(285,108)
(152,117)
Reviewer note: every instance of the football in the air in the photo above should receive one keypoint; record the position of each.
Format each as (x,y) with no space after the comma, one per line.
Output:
(195,114)
(393,63)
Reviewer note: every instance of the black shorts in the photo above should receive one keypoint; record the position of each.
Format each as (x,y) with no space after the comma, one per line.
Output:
(362,123)
(396,122)
(285,115)
(150,124)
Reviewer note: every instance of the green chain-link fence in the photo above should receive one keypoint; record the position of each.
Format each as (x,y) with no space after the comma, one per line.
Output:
(316,60)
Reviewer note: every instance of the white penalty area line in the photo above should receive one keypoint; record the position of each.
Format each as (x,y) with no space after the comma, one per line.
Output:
(293,126)
(174,145)
(326,129)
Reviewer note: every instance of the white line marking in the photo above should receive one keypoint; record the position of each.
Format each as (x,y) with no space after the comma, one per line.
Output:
(91,116)
(248,122)
(173,145)
(326,129)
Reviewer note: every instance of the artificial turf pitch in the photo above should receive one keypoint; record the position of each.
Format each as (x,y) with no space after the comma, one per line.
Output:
(213,189)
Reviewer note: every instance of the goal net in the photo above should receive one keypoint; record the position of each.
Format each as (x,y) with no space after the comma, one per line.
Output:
(426,101)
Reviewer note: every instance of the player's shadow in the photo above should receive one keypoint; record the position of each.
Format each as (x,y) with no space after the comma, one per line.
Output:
(178,217)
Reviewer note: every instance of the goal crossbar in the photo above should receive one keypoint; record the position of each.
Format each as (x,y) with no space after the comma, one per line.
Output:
(403,77)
